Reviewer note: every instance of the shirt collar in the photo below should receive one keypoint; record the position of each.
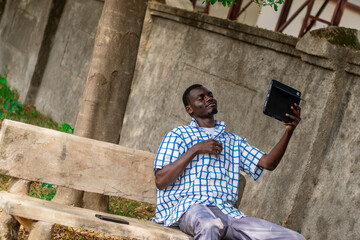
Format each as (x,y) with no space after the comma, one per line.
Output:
(219,125)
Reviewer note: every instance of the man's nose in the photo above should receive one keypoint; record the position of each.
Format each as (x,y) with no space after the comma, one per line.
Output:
(209,98)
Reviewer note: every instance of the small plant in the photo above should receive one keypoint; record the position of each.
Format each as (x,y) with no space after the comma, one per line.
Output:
(2,80)
(13,105)
(66,128)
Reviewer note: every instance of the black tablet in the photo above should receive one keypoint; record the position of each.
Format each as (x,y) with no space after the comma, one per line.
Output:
(279,99)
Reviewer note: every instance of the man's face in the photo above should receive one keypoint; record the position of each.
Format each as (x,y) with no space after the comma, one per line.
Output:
(201,103)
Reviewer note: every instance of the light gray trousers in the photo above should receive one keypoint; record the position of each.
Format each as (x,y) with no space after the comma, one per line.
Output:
(209,223)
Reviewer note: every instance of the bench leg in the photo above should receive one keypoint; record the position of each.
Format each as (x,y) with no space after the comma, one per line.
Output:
(95,201)
(9,226)
(41,231)
(68,196)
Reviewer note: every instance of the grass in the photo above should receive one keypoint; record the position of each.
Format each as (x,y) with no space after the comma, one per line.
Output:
(129,208)
(11,108)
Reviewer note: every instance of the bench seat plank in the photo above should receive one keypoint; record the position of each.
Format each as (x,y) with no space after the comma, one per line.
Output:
(53,157)
(51,212)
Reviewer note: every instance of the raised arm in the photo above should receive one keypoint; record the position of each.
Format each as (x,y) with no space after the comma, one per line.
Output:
(169,173)
(271,160)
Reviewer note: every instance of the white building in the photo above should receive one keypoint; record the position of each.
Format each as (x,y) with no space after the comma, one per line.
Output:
(266,17)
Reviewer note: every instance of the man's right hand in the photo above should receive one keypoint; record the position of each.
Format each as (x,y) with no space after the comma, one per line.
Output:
(209,146)
(169,173)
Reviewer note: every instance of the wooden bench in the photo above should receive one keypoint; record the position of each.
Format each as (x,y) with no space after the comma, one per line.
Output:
(38,154)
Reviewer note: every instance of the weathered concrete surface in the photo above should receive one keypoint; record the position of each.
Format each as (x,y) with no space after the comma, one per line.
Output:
(48,52)
(41,231)
(51,212)
(237,62)
(21,33)
(332,209)
(329,194)
(76,162)
(60,92)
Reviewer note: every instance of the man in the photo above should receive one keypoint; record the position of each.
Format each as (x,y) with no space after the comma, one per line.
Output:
(197,171)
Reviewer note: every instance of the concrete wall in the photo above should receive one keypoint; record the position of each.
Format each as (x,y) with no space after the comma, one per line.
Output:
(64,77)
(237,62)
(22,29)
(47,47)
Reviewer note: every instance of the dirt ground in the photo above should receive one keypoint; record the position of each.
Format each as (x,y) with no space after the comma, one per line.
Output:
(62,232)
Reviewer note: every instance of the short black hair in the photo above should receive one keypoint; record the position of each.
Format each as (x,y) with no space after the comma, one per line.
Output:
(187,92)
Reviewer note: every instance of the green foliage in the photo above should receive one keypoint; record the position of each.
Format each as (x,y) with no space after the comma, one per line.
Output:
(12,108)
(42,191)
(272,3)
(2,80)
(13,105)
(66,128)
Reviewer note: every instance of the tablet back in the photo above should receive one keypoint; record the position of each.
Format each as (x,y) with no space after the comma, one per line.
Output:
(279,99)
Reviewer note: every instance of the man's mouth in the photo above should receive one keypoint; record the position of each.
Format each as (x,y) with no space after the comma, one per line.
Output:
(211,105)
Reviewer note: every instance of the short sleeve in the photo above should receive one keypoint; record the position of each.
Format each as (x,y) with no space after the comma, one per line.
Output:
(250,157)
(169,151)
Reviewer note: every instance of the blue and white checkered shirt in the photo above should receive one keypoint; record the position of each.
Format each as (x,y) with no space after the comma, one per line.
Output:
(207,180)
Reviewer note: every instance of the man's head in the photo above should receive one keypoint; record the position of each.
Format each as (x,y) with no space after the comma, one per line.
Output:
(199,101)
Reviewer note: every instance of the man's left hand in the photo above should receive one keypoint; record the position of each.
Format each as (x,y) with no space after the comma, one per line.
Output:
(295,117)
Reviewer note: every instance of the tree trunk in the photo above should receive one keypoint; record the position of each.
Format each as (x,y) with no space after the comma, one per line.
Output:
(111,70)
(109,79)
(108,84)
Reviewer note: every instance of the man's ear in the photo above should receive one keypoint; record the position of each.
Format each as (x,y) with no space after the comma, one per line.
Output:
(188,109)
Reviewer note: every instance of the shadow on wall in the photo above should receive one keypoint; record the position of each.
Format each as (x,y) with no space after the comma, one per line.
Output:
(2,7)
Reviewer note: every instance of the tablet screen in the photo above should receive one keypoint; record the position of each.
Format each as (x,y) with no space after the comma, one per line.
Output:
(279,100)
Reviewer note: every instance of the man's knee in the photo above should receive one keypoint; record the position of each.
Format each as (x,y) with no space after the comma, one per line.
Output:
(200,222)
(208,228)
